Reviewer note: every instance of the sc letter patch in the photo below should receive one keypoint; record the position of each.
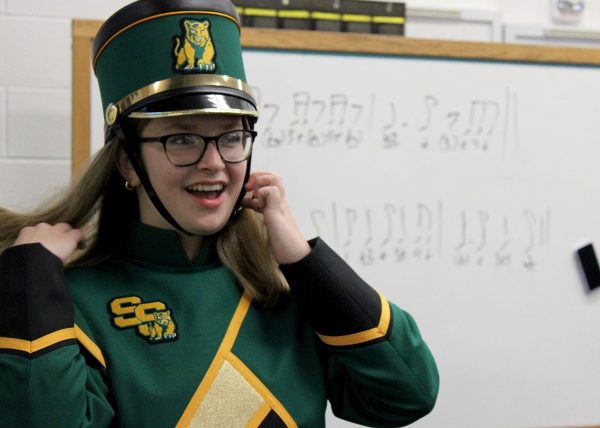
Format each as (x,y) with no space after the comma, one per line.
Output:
(196,52)
(152,320)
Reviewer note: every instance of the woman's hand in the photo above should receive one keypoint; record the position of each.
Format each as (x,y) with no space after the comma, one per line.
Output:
(60,239)
(267,196)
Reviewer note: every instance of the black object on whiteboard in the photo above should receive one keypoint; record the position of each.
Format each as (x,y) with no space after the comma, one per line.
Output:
(589,263)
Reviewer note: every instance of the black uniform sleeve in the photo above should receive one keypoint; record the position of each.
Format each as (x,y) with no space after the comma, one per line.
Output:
(379,370)
(44,378)
(35,301)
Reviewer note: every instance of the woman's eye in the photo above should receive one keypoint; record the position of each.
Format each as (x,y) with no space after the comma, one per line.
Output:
(182,140)
(233,138)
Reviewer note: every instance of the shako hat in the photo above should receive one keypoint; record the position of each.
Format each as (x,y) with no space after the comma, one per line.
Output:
(163,58)
(160,58)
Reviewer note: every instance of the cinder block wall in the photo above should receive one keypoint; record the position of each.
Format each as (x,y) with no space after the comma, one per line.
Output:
(35,95)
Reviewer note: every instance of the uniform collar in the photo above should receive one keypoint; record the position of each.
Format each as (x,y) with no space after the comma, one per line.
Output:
(156,246)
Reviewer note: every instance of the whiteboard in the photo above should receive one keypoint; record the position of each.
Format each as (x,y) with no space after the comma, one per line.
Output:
(461,190)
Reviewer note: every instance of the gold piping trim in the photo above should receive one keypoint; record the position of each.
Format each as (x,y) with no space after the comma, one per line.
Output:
(330,16)
(350,17)
(259,416)
(149,18)
(153,115)
(255,11)
(88,344)
(296,14)
(388,20)
(177,82)
(36,345)
(225,347)
(16,344)
(262,390)
(363,336)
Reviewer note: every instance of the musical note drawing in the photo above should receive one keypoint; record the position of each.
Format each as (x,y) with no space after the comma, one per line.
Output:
(337,109)
(430,103)
(319,111)
(449,140)
(390,214)
(530,220)
(424,230)
(301,105)
(502,254)
(399,249)
(390,136)
(484,218)
(461,257)
(367,256)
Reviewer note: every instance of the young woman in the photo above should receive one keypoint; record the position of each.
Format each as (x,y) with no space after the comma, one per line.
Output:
(189,297)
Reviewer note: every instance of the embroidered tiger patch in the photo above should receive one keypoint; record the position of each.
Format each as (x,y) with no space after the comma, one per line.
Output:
(162,328)
(197,51)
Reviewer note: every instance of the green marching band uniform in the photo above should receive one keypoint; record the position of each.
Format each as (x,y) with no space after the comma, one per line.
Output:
(152,339)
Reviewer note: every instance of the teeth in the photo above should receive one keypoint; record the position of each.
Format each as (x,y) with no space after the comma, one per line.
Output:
(206,188)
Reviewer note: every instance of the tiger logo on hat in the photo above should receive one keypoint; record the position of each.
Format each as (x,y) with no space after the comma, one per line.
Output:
(197,52)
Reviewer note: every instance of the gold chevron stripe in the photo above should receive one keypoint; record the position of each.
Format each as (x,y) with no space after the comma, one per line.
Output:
(89,344)
(363,336)
(37,345)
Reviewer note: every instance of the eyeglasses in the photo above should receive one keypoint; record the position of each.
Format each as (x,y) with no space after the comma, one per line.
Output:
(188,149)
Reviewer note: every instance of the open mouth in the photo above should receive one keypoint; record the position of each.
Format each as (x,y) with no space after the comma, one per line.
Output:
(206,191)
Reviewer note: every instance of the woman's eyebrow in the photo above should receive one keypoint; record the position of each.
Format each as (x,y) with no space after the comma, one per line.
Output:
(189,126)
(230,123)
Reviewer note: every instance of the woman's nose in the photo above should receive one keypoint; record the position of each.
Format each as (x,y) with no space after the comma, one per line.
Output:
(211,159)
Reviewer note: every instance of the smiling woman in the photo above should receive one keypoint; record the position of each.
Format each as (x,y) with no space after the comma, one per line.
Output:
(171,273)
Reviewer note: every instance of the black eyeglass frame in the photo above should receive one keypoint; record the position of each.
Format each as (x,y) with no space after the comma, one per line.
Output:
(163,140)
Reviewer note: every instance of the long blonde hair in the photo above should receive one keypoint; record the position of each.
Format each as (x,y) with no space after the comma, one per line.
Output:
(98,203)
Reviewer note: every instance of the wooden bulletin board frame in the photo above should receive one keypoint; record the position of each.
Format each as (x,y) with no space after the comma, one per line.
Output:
(83,32)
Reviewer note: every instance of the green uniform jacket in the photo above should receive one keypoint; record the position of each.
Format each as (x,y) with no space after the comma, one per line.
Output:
(150,339)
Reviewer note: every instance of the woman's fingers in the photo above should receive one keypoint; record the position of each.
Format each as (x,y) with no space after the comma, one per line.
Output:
(267,196)
(60,239)
(265,191)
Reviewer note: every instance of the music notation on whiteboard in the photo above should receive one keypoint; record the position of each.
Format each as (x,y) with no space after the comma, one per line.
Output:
(397,233)
(484,125)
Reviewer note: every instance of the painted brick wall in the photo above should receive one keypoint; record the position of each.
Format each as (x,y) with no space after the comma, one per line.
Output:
(35,95)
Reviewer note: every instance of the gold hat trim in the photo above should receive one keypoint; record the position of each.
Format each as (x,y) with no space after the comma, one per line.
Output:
(153,115)
(149,18)
(178,82)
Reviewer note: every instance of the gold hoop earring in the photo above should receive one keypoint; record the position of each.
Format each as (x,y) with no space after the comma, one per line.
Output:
(128,186)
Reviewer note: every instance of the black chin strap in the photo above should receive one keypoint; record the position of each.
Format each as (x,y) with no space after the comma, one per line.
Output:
(249,124)
(238,204)
(128,146)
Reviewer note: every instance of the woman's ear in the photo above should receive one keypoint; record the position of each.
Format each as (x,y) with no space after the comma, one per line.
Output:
(126,169)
